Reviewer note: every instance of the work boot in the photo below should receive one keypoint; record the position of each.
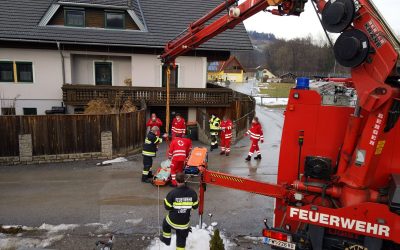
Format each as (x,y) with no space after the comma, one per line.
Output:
(145,179)
(227,153)
(258,157)
(248,158)
(150,175)
(211,148)
(222,152)
(171,184)
(166,241)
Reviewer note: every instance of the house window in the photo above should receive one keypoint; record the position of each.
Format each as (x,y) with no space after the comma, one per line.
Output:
(30,111)
(103,73)
(24,72)
(115,20)
(74,17)
(174,76)
(6,72)
(8,111)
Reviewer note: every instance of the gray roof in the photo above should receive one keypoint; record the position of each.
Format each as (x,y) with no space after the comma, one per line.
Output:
(164,19)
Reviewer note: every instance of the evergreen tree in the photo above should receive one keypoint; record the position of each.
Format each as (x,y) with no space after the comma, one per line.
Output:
(216,243)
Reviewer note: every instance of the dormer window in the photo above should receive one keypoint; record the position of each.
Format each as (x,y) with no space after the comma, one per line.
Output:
(114,20)
(74,17)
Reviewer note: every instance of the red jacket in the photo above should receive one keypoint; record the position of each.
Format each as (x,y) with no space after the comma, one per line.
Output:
(179,148)
(150,123)
(178,127)
(255,132)
(226,129)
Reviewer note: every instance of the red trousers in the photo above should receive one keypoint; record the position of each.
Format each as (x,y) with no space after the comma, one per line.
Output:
(226,144)
(254,149)
(176,167)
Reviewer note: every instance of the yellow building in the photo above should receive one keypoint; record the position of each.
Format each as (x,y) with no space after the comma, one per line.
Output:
(230,70)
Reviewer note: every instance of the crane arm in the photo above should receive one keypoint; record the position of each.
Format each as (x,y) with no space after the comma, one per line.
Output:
(200,31)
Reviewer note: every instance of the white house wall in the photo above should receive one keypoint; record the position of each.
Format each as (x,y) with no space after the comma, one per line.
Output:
(82,68)
(146,71)
(45,91)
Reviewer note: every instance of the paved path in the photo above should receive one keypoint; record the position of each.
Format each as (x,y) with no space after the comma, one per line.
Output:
(81,192)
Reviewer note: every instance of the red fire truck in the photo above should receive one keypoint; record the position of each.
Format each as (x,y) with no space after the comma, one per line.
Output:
(338,181)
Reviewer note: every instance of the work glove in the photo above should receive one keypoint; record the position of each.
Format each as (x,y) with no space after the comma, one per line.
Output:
(165,135)
(262,141)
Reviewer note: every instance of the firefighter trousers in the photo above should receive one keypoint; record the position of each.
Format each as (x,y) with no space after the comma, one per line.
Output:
(147,163)
(214,140)
(226,145)
(181,235)
(254,149)
(176,167)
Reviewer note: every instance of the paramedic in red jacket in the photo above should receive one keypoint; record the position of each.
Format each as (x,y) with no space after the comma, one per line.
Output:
(179,150)
(226,135)
(178,125)
(256,135)
(154,121)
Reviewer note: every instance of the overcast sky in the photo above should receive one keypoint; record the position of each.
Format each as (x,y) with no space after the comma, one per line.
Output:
(307,23)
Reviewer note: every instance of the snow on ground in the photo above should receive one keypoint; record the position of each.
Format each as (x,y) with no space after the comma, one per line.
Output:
(270,101)
(198,239)
(52,234)
(134,221)
(52,229)
(116,160)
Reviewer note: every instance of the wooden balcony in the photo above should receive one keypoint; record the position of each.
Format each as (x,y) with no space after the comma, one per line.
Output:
(80,95)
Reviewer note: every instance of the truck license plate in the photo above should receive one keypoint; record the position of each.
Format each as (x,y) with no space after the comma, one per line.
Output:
(279,243)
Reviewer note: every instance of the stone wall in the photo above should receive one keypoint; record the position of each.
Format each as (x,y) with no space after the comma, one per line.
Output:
(26,155)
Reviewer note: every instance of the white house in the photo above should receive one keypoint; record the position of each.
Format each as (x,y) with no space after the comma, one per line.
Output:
(48,44)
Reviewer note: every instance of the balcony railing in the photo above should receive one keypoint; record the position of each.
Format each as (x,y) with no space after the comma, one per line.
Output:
(80,95)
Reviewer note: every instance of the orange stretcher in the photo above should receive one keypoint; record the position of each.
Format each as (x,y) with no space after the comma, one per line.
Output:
(198,158)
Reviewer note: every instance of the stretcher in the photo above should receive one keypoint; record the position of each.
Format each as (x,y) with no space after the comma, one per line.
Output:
(198,158)
(163,174)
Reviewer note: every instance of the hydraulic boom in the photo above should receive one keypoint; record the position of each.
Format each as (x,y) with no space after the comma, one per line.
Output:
(341,189)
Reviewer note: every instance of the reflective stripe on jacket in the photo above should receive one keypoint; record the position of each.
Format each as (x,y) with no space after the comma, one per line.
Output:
(179,202)
(256,132)
(226,129)
(150,144)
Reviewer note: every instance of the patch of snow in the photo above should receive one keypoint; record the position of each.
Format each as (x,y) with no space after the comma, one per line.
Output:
(134,221)
(116,160)
(100,225)
(198,239)
(15,243)
(47,242)
(94,224)
(271,101)
(51,235)
(56,228)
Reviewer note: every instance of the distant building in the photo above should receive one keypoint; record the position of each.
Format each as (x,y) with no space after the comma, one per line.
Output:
(264,74)
(230,70)
(288,77)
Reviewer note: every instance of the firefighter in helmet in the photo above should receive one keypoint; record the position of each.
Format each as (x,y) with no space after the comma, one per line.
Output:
(215,124)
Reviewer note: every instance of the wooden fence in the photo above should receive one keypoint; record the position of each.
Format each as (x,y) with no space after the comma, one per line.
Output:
(69,134)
